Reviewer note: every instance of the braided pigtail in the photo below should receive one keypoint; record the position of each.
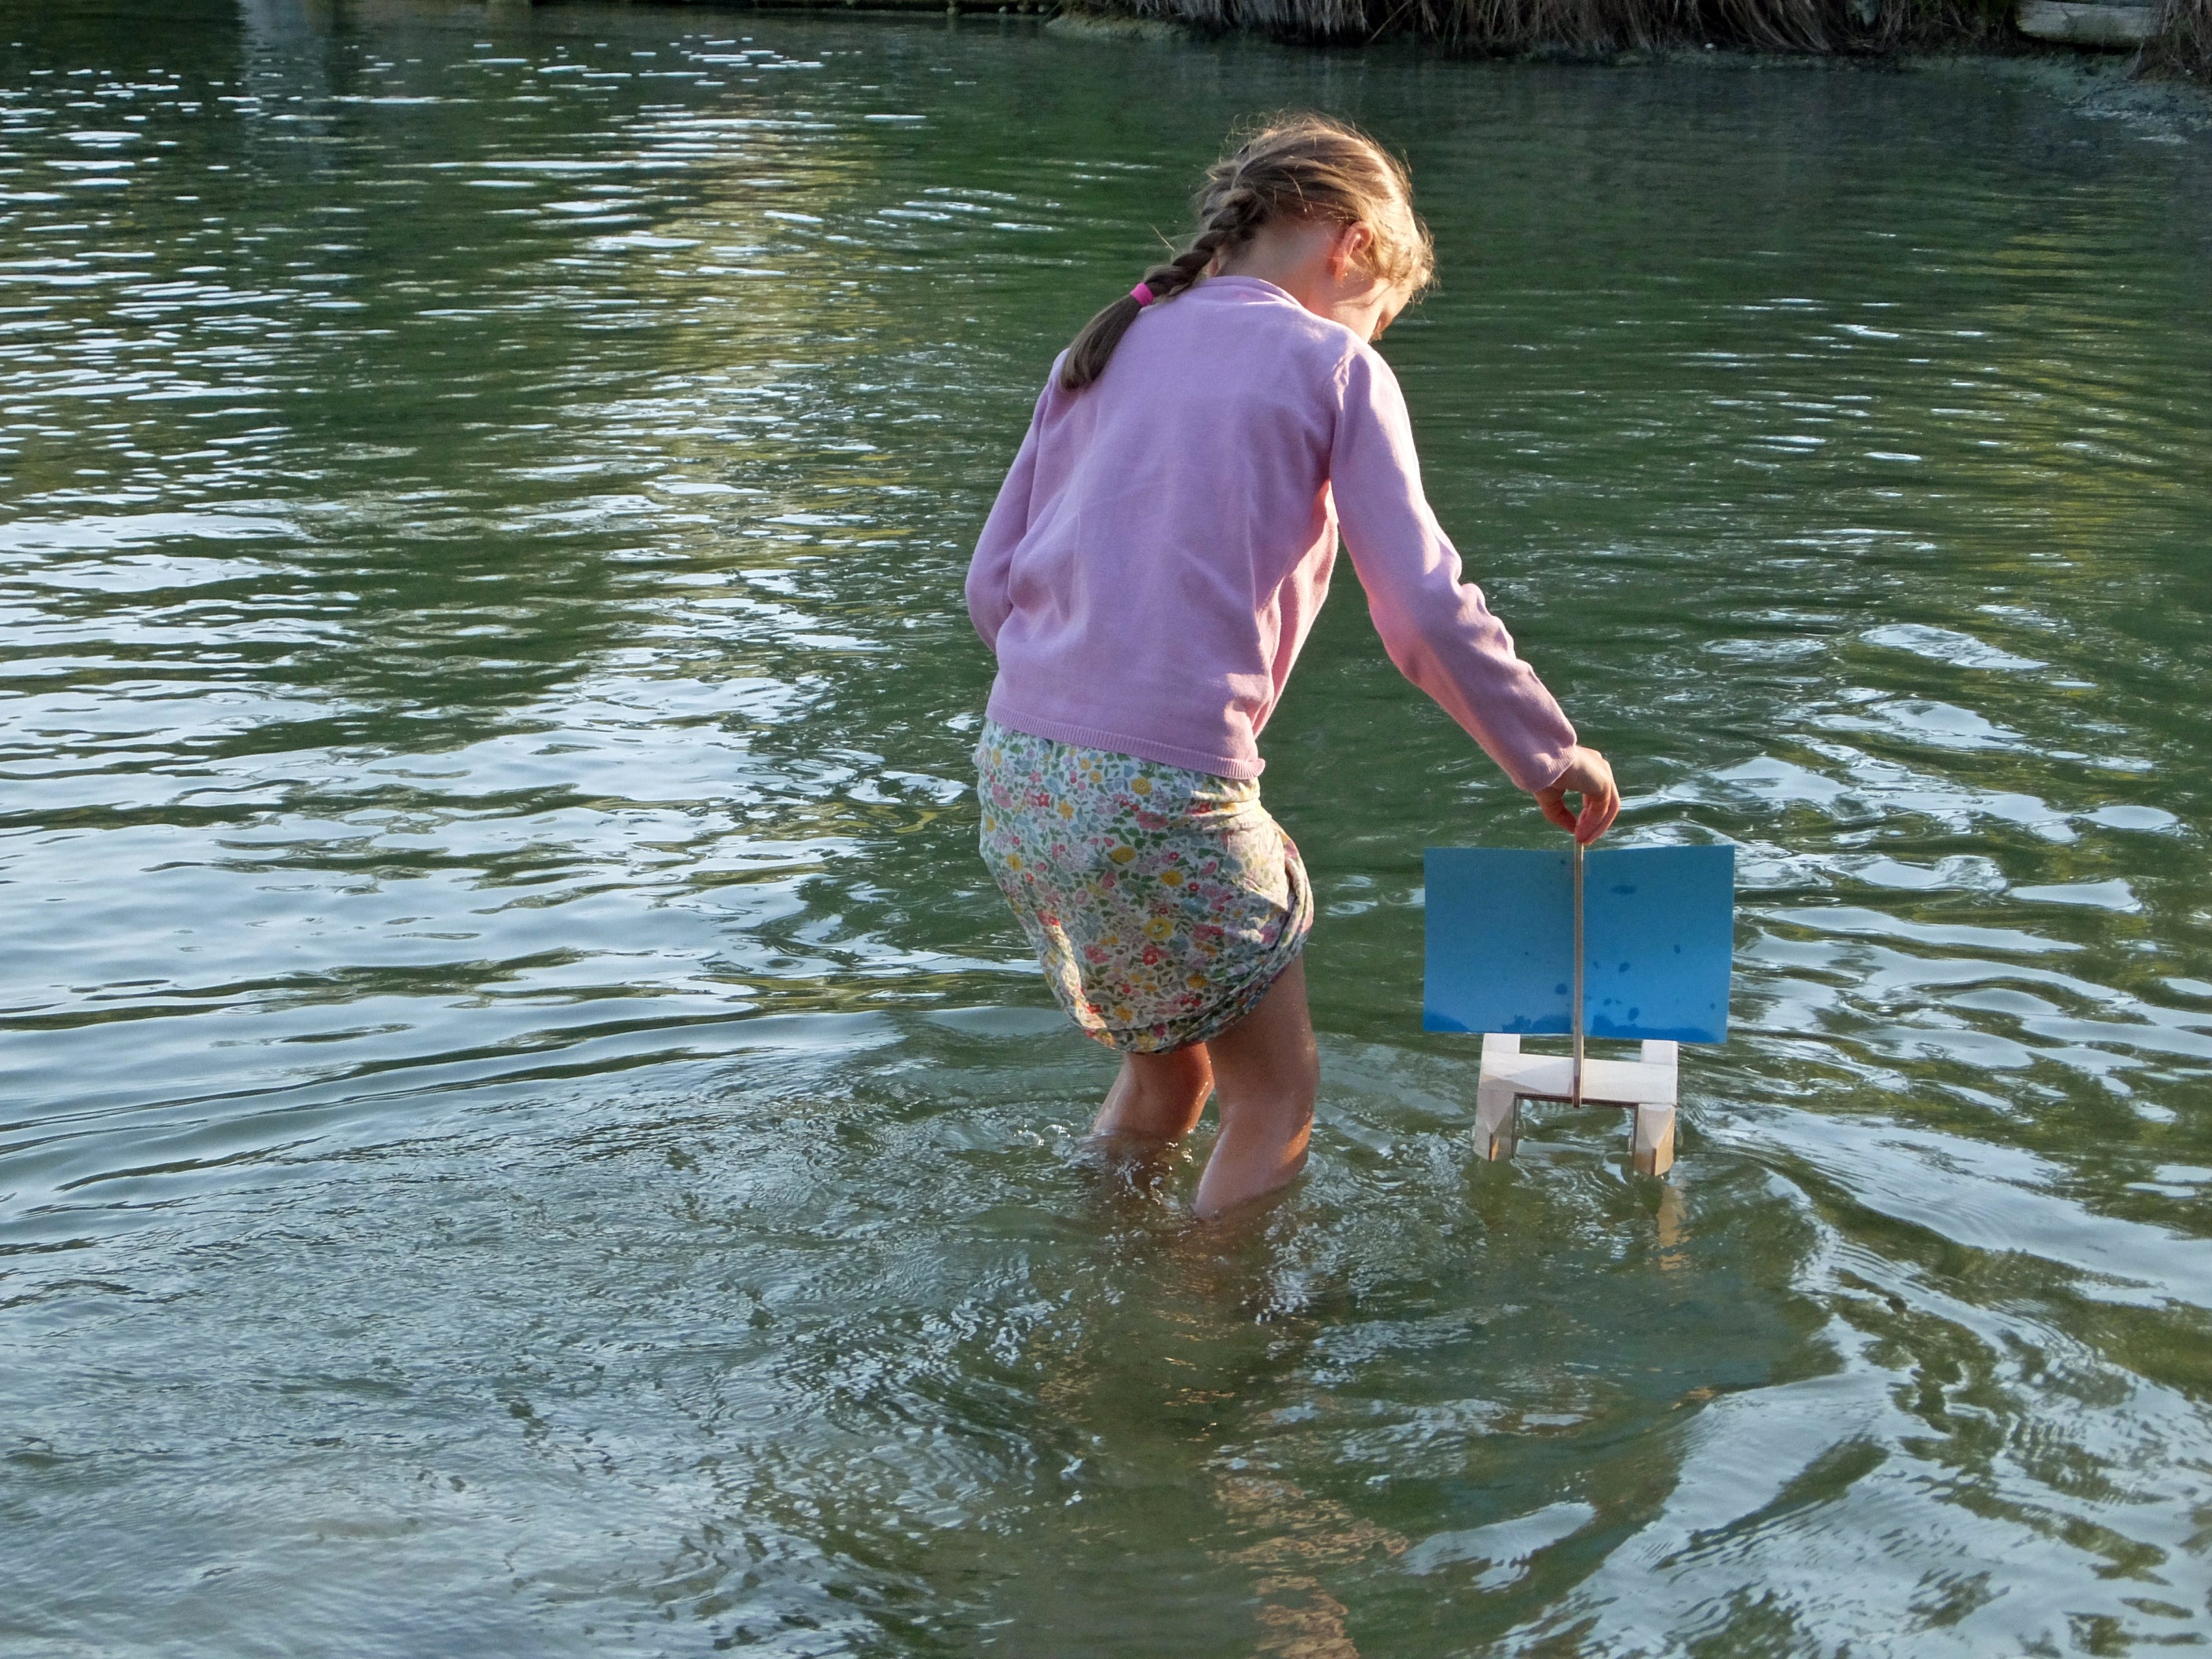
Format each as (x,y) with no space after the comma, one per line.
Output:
(1306,166)
(1087,357)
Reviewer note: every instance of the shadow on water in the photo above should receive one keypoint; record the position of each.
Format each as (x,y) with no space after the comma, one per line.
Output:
(525,1127)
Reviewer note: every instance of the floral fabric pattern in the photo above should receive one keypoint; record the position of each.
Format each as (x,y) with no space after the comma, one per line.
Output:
(1162,903)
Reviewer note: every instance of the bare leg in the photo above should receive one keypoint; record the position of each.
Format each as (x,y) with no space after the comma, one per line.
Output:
(1157,1096)
(1268,1071)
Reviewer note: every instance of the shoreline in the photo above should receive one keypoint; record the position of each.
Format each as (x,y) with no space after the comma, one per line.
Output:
(2169,42)
(2095,83)
(1841,34)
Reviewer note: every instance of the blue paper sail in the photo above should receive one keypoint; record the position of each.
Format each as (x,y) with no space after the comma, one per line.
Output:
(1658,936)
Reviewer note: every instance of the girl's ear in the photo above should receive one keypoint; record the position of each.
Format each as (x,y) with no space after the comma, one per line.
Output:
(1345,250)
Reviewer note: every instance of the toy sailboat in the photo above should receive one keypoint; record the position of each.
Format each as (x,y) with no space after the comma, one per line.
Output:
(1636,943)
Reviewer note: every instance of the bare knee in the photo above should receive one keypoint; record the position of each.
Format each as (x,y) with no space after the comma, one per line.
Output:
(1279,1107)
(1301,1078)
(1265,1129)
(1268,1070)
(1269,1059)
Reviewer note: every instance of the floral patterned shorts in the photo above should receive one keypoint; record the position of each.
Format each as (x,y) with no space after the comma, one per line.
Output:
(1163,903)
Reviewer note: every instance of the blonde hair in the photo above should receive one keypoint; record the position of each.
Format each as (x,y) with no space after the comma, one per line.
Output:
(1303,166)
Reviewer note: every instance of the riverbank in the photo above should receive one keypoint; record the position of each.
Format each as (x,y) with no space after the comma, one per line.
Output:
(2103,84)
(2081,50)
(2167,40)
(2168,37)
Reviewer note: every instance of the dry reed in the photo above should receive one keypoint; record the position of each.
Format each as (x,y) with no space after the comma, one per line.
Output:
(2182,42)
(1600,26)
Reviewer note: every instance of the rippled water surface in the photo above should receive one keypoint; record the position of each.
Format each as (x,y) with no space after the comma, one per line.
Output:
(526,1131)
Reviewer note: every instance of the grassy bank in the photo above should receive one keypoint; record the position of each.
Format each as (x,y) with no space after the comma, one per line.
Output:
(1605,27)
(2182,45)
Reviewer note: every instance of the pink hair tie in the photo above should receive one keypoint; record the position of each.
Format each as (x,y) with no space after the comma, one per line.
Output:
(1142,294)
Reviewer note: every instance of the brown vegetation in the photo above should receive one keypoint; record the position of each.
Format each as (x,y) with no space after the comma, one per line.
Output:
(1600,26)
(2183,44)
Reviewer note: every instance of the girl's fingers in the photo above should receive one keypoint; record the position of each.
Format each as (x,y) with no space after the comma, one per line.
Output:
(1590,779)
(1599,811)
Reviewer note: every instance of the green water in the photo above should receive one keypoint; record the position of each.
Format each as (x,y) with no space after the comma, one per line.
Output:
(524,1129)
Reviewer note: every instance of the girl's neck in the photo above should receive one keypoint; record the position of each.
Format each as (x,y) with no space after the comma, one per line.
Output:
(1316,262)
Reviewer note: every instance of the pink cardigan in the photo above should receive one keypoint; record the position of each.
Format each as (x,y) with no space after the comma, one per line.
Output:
(1158,553)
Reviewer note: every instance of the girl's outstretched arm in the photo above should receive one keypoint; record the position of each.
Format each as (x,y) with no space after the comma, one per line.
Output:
(1435,626)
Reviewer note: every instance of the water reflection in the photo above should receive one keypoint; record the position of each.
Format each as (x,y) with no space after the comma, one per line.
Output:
(527,1119)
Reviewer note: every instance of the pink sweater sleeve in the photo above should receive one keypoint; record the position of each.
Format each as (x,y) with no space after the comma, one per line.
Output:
(1435,626)
(989,602)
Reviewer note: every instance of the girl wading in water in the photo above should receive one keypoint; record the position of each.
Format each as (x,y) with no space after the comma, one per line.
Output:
(1151,567)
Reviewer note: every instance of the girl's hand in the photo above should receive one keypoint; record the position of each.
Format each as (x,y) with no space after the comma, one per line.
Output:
(1589,776)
